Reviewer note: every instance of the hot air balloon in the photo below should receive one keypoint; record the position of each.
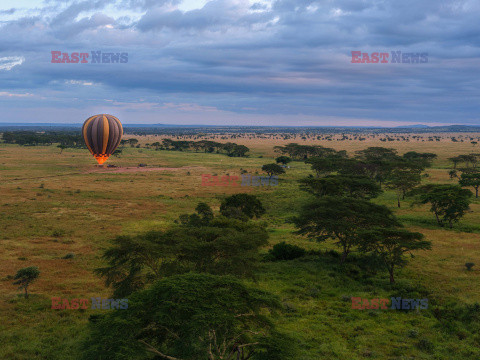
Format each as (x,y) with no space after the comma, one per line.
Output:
(102,134)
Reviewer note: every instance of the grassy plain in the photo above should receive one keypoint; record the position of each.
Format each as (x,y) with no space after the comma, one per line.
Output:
(53,204)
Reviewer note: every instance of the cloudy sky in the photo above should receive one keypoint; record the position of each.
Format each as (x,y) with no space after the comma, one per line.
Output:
(241,62)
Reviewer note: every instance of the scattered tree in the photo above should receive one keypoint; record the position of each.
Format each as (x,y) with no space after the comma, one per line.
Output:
(470,179)
(390,245)
(357,186)
(448,202)
(283,160)
(242,206)
(341,219)
(403,179)
(24,277)
(273,169)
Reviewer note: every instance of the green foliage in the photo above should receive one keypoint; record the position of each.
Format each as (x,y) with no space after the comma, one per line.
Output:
(203,216)
(32,138)
(191,316)
(341,219)
(302,152)
(391,244)
(273,169)
(448,202)
(283,160)
(242,206)
(403,178)
(221,246)
(356,186)
(24,277)
(231,149)
(469,266)
(470,179)
(284,251)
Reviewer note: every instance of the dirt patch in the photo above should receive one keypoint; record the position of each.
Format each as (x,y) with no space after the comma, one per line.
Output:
(135,169)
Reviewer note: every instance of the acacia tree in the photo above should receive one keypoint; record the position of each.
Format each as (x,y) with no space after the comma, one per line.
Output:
(191,317)
(403,179)
(448,202)
(242,206)
(391,244)
(24,277)
(379,161)
(273,169)
(283,160)
(341,219)
(357,186)
(470,179)
(455,160)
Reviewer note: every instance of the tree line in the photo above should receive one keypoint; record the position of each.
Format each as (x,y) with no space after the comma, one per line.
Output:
(31,138)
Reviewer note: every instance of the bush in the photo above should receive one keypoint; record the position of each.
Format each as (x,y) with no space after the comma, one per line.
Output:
(469,266)
(69,256)
(284,251)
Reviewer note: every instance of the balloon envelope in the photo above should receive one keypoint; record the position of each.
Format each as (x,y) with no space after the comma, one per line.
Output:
(102,134)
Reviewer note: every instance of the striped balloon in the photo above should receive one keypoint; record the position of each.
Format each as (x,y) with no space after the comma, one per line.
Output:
(102,134)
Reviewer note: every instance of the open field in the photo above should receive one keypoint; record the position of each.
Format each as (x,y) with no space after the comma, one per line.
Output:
(53,204)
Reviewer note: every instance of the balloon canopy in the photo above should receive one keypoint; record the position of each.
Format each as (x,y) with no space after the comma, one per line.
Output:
(102,134)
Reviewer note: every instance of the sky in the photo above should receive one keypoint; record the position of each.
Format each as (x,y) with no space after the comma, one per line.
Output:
(242,62)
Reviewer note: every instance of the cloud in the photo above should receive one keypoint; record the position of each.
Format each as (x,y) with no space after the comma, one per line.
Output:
(262,58)
(8,63)
(7,94)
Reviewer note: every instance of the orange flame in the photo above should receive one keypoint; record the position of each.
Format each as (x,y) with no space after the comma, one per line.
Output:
(101,158)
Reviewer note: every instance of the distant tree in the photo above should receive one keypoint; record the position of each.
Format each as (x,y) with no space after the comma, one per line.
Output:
(402,180)
(448,202)
(453,174)
(373,153)
(283,160)
(423,159)
(273,169)
(390,245)
(190,317)
(470,179)
(242,206)
(379,162)
(132,142)
(357,186)
(455,160)
(61,147)
(341,219)
(24,277)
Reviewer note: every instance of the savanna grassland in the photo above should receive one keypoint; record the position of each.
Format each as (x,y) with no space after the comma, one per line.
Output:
(57,203)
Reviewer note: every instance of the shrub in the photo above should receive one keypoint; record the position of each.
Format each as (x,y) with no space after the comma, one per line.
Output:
(69,256)
(469,266)
(284,251)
